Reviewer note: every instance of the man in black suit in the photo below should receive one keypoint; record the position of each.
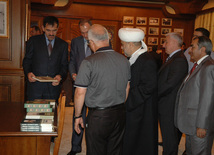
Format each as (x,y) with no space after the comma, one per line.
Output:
(46,55)
(170,77)
(79,51)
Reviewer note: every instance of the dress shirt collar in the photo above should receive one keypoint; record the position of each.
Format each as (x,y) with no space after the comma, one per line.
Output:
(135,55)
(47,41)
(107,48)
(174,52)
(200,60)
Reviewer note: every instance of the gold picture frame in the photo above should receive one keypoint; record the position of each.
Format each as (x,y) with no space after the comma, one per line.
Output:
(4,18)
(128,20)
(152,40)
(154,21)
(166,21)
(141,20)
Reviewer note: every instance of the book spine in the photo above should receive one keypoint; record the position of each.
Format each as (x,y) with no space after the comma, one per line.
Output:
(29,105)
(39,110)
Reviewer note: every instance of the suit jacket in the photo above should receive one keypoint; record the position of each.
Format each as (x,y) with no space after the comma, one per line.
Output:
(170,77)
(195,100)
(38,61)
(77,54)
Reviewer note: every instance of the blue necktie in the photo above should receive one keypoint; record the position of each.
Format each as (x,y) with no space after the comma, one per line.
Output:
(88,51)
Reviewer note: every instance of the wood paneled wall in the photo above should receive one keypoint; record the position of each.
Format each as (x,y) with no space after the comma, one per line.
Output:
(112,18)
(11,54)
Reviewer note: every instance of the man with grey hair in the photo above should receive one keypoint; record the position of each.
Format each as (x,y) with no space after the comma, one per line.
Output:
(194,109)
(170,77)
(103,83)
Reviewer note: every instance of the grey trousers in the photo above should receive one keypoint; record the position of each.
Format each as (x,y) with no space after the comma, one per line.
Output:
(199,146)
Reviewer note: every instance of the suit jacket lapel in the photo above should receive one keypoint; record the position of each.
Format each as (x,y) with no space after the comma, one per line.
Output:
(44,44)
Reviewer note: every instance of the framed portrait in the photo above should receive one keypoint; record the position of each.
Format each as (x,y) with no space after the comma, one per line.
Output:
(143,29)
(153,30)
(180,31)
(166,21)
(149,48)
(162,40)
(141,20)
(4,21)
(153,21)
(128,20)
(164,31)
(152,40)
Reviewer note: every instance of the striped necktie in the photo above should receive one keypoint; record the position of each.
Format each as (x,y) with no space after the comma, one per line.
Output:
(50,47)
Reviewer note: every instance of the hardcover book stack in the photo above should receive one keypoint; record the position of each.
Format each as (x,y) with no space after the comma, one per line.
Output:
(39,117)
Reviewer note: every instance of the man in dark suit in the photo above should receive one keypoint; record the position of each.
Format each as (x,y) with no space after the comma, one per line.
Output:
(141,105)
(170,77)
(79,51)
(194,110)
(46,55)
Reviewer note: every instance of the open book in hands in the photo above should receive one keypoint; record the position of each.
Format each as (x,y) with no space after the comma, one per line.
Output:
(44,79)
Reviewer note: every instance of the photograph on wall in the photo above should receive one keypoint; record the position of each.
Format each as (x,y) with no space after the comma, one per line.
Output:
(3,18)
(162,40)
(141,20)
(143,29)
(153,21)
(153,31)
(164,31)
(180,31)
(128,20)
(152,40)
(166,21)
(149,48)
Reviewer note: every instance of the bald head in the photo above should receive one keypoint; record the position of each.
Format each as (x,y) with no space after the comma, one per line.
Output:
(98,37)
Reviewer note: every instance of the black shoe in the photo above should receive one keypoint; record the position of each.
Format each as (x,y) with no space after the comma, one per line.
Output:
(184,153)
(72,153)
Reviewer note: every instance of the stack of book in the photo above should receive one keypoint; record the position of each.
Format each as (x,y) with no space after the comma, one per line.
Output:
(37,125)
(39,117)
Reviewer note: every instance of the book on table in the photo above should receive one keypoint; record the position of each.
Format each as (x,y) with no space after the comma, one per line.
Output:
(40,115)
(37,125)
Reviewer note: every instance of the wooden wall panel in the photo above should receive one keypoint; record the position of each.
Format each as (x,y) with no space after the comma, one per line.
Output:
(12,88)
(11,54)
(113,16)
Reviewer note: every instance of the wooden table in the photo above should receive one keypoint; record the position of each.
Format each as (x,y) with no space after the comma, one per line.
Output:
(15,142)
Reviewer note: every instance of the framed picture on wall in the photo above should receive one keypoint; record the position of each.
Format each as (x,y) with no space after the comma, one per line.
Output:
(4,19)
(162,40)
(181,31)
(164,31)
(141,20)
(166,21)
(153,30)
(143,29)
(152,40)
(149,48)
(128,20)
(153,21)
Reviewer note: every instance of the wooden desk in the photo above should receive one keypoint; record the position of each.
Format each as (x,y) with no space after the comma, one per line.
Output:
(15,142)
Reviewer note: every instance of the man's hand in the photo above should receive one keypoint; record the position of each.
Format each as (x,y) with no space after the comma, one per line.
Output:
(201,133)
(78,122)
(30,77)
(74,75)
(58,78)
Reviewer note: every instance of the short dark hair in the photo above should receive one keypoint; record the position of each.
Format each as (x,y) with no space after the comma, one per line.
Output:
(204,31)
(204,41)
(50,20)
(85,20)
(36,28)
